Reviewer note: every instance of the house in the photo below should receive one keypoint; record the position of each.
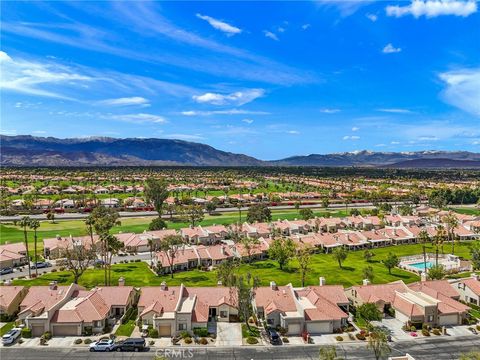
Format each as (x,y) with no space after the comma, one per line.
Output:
(377,238)
(353,240)
(183,259)
(178,308)
(72,310)
(12,255)
(54,248)
(257,251)
(256,230)
(195,235)
(110,202)
(220,253)
(382,295)
(468,289)
(10,299)
(325,241)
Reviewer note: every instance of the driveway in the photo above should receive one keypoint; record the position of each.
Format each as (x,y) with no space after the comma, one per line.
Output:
(229,334)
(394,327)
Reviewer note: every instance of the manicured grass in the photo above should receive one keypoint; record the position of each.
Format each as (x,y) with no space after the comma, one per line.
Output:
(467,211)
(126,329)
(7,327)
(252,332)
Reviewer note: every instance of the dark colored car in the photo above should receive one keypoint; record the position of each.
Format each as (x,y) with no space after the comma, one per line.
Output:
(6,271)
(41,265)
(273,336)
(130,344)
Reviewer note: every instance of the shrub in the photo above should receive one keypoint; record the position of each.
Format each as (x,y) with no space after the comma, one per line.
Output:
(151,343)
(425,332)
(20,341)
(47,335)
(252,340)
(203,341)
(188,340)
(200,331)
(153,333)
(436,332)
(61,268)
(339,338)
(285,340)
(138,260)
(184,334)
(43,341)
(360,336)
(478,327)
(78,341)
(87,341)
(413,328)
(26,333)
(282,331)
(53,270)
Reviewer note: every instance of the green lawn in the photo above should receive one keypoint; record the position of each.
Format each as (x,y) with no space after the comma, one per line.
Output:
(7,327)
(467,211)
(126,329)
(252,332)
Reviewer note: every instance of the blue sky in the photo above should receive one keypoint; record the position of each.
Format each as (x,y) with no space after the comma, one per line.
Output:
(268,79)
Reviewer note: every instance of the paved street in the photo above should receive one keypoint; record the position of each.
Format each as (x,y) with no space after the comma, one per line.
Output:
(422,349)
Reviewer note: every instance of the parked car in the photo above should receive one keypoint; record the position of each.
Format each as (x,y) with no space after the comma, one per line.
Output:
(6,271)
(130,344)
(41,265)
(11,336)
(273,336)
(102,345)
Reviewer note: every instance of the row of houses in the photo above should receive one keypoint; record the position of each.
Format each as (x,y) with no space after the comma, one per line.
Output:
(322,309)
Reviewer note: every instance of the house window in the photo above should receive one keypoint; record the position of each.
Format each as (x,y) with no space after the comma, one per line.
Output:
(269,321)
(98,324)
(182,326)
(223,314)
(430,318)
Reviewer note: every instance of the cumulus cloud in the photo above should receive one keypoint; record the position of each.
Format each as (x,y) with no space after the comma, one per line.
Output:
(220,25)
(355,128)
(271,35)
(351,137)
(306,26)
(248,121)
(236,99)
(463,89)
(433,8)
(126,101)
(372,17)
(390,49)
(138,118)
(329,111)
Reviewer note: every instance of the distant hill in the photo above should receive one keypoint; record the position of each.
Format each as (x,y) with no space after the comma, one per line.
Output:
(376,159)
(26,150)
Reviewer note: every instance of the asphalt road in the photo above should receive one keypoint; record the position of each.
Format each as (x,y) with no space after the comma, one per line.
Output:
(421,349)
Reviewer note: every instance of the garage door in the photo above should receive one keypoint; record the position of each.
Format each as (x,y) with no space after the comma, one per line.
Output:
(65,330)
(165,330)
(319,327)
(37,330)
(294,329)
(448,319)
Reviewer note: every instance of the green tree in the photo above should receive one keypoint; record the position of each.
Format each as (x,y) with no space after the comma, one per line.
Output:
(35,224)
(78,259)
(368,312)
(451,221)
(475,254)
(438,240)
(328,353)
(304,257)
(171,245)
(211,206)
(282,250)
(259,213)
(391,261)
(368,255)
(436,272)
(378,343)
(325,202)
(156,192)
(157,224)
(249,244)
(340,255)
(24,223)
(368,273)
(472,355)
(306,214)
(194,214)
(424,238)
(51,217)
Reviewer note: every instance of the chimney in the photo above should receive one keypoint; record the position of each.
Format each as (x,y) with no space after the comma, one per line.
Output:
(423,276)
(53,285)
(121,281)
(163,286)
(219,283)
(475,276)
(273,285)
(321,281)
(366,282)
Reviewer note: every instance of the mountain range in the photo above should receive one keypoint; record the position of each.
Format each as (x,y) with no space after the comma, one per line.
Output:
(26,150)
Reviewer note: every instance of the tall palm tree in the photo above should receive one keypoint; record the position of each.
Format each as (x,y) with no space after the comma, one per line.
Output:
(452,222)
(24,223)
(438,240)
(424,239)
(35,224)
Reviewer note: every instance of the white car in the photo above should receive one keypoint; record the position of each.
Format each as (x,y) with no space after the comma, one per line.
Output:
(102,345)
(11,336)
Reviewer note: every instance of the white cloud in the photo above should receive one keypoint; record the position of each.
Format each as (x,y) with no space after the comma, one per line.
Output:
(306,26)
(395,142)
(380,145)
(248,121)
(270,35)
(236,99)
(223,112)
(372,17)
(187,137)
(355,128)
(281,29)
(428,138)
(138,118)
(39,132)
(293,132)
(126,101)
(35,78)
(463,89)
(220,25)
(395,111)
(433,8)
(390,49)
(353,137)
(10,132)
(329,111)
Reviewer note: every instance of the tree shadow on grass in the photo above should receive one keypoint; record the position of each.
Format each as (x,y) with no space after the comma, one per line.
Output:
(348,268)
(123,270)
(262,265)
(198,278)
(401,276)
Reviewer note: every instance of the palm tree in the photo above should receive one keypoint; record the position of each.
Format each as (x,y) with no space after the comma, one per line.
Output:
(35,224)
(24,223)
(438,240)
(452,222)
(424,238)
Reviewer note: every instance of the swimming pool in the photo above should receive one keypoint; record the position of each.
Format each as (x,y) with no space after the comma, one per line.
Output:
(421,265)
